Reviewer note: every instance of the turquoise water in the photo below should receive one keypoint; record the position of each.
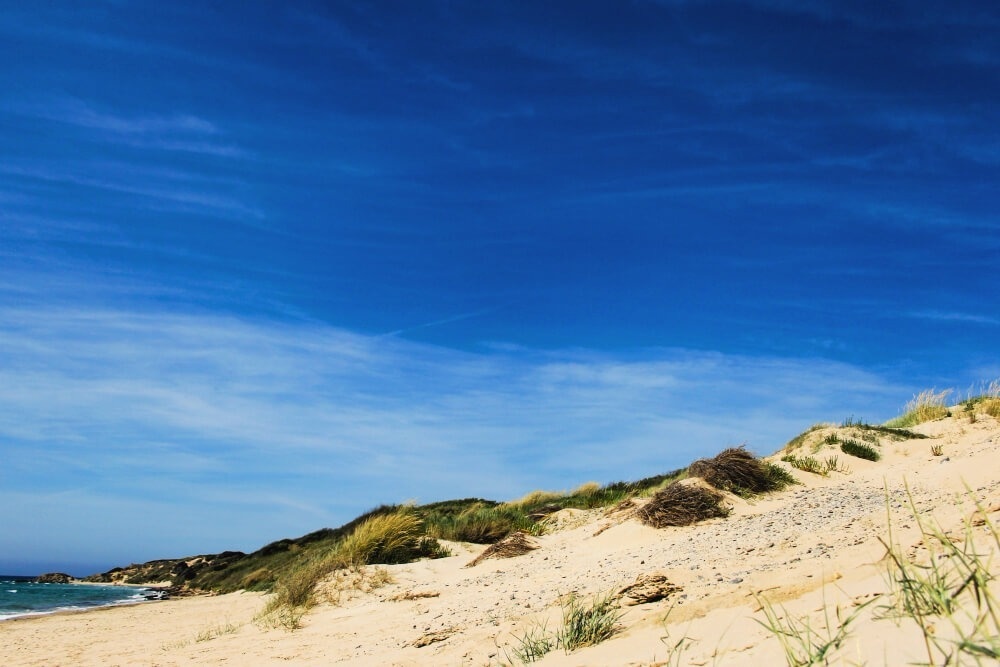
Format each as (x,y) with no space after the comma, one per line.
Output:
(19,596)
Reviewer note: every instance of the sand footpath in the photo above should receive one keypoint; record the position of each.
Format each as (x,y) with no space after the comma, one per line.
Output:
(811,551)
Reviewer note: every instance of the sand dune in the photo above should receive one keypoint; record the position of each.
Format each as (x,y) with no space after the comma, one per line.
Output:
(812,552)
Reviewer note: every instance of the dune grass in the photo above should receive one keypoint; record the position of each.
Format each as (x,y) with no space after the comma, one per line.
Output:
(396,537)
(480,523)
(951,594)
(985,402)
(587,624)
(803,643)
(806,464)
(926,406)
(800,439)
(534,644)
(583,624)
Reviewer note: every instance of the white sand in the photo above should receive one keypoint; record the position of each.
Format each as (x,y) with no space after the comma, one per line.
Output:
(811,550)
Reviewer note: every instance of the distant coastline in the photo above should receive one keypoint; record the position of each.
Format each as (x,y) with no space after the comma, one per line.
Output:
(21,596)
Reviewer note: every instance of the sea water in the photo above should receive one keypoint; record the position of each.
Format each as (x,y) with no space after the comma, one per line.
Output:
(20,596)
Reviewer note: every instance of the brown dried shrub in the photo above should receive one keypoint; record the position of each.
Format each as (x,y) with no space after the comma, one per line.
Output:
(740,472)
(515,544)
(681,505)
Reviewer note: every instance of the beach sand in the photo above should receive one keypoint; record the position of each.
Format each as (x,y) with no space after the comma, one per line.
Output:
(812,551)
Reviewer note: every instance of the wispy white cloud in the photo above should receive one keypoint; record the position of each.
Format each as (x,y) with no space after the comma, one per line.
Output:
(170,131)
(188,409)
(164,189)
(956,317)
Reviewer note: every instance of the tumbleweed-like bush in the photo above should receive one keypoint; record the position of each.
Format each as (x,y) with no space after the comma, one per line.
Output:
(681,505)
(737,470)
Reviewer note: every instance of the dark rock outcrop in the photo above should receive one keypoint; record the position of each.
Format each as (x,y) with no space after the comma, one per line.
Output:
(54,578)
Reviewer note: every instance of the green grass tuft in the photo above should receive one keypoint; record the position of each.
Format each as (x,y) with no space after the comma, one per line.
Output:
(860,450)
(587,625)
(806,464)
(954,588)
(926,406)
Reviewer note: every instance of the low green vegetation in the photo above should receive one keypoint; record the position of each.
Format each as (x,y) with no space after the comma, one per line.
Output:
(803,643)
(583,624)
(950,594)
(588,624)
(806,464)
(986,402)
(534,644)
(860,450)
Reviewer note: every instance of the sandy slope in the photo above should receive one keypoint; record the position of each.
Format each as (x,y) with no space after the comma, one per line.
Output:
(809,549)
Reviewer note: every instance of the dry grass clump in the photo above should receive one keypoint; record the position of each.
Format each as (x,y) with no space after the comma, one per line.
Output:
(740,472)
(926,406)
(515,544)
(986,402)
(396,537)
(536,498)
(386,538)
(586,489)
(346,584)
(681,505)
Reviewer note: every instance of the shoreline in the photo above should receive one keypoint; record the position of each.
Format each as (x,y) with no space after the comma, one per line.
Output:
(73,609)
(812,550)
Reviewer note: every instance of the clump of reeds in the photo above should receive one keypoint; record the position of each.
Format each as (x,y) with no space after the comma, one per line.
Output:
(681,505)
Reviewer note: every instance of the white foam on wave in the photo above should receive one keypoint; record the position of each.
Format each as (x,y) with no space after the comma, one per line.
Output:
(46,612)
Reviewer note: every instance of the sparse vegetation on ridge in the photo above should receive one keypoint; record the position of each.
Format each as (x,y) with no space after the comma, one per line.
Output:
(986,402)
(292,569)
(926,406)
(806,464)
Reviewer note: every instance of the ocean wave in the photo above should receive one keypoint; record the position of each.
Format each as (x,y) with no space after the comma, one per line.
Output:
(8,615)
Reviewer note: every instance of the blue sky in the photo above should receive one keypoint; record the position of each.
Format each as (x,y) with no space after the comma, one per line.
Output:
(264,266)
